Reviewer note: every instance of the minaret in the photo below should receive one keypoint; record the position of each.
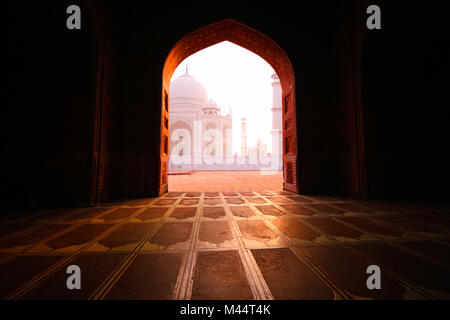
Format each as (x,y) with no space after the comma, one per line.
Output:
(243,138)
(277,133)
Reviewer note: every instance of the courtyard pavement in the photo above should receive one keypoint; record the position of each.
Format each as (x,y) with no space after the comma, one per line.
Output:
(227,181)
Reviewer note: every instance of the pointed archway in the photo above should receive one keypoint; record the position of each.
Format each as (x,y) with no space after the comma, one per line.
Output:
(250,39)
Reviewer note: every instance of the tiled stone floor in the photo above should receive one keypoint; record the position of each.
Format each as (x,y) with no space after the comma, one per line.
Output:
(228,245)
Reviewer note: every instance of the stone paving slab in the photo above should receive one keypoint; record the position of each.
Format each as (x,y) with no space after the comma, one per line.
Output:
(256,230)
(220,276)
(216,232)
(149,276)
(334,228)
(288,277)
(22,240)
(433,249)
(298,209)
(349,270)
(184,213)
(85,214)
(242,211)
(151,214)
(409,224)
(125,238)
(74,239)
(170,235)
(22,269)
(419,271)
(11,228)
(95,269)
(372,226)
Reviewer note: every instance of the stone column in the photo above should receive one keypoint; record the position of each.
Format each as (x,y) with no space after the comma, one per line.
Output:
(243,137)
(277,130)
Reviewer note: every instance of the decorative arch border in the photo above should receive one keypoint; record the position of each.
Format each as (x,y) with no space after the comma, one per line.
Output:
(253,40)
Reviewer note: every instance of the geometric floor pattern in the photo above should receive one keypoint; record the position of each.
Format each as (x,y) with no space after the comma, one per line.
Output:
(229,245)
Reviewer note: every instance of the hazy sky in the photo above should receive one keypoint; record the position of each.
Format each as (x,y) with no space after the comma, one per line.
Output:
(236,77)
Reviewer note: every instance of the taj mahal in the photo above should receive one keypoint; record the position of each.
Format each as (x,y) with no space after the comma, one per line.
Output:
(201,135)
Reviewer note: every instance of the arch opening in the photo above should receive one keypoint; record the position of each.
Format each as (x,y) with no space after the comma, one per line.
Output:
(256,42)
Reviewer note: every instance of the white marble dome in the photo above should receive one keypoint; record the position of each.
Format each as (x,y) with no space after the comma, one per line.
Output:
(211,104)
(210,108)
(187,89)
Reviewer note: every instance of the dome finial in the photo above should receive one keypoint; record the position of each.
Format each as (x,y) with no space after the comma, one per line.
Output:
(187,68)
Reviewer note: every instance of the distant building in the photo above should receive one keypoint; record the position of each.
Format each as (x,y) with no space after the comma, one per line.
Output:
(277,132)
(201,137)
(244,151)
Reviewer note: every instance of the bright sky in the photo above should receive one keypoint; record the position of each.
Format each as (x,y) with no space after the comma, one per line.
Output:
(236,77)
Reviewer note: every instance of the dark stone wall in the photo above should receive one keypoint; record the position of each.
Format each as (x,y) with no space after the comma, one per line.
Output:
(61,85)
(51,92)
(405,82)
